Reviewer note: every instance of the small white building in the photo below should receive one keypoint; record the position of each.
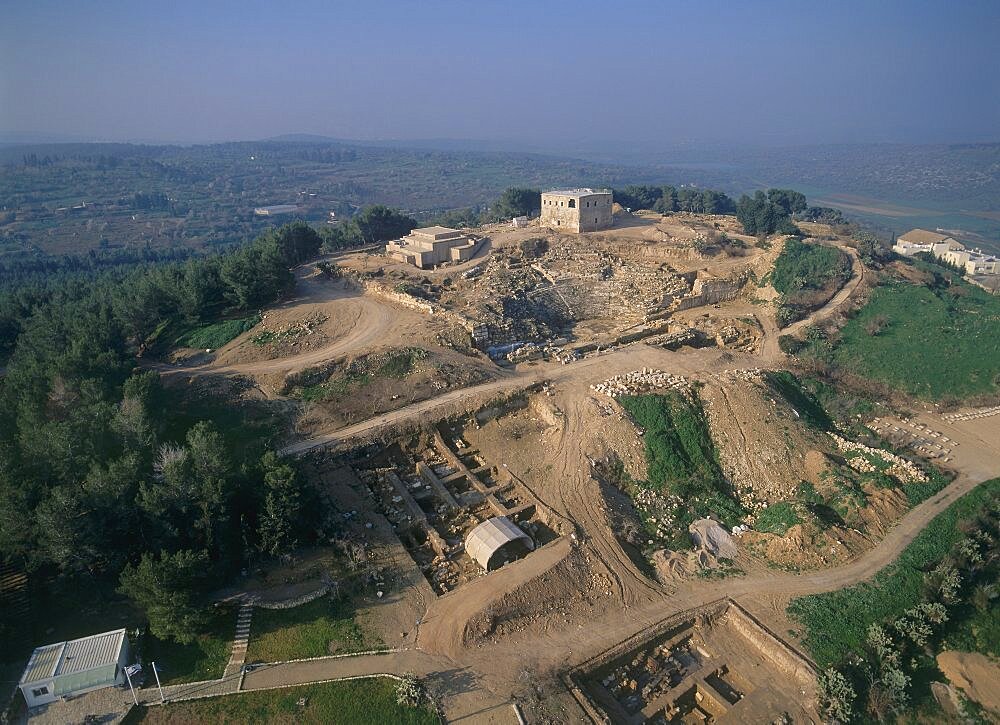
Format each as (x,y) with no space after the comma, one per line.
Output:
(922,240)
(276,210)
(80,665)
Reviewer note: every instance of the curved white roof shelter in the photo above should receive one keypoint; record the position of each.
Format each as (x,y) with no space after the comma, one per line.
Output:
(492,535)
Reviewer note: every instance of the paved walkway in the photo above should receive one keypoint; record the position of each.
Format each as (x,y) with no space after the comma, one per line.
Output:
(150,695)
(332,668)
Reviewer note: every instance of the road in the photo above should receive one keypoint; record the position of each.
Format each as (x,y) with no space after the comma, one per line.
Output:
(489,673)
(459,674)
(836,303)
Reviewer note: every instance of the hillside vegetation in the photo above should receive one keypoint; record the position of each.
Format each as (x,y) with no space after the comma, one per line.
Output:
(352,702)
(681,460)
(807,276)
(936,341)
(878,639)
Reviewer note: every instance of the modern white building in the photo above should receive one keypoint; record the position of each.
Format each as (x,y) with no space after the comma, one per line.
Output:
(80,665)
(921,240)
(276,210)
(971,261)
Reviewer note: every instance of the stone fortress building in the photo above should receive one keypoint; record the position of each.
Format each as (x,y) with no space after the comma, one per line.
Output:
(577,210)
(430,246)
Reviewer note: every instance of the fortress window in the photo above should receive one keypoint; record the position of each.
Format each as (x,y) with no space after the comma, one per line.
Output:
(572,203)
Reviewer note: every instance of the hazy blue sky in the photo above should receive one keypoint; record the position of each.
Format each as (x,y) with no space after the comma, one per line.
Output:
(532,72)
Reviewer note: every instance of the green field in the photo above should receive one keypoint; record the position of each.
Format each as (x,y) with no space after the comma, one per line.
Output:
(931,343)
(354,702)
(681,459)
(203,659)
(216,334)
(319,628)
(835,623)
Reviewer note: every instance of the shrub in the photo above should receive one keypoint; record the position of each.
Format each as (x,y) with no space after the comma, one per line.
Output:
(836,623)
(777,518)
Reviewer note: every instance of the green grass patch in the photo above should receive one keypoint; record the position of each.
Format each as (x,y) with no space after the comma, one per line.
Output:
(203,659)
(835,623)
(931,343)
(354,702)
(802,266)
(778,518)
(396,364)
(681,459)
(321,627)
(788,387)
(216,334)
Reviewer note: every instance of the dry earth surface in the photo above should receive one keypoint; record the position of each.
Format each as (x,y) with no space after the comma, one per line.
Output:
(510,633)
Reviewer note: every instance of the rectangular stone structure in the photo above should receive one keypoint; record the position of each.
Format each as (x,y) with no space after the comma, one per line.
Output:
(577,210)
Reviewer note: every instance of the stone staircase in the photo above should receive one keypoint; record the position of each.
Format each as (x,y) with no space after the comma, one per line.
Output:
(239,653)
(14,602)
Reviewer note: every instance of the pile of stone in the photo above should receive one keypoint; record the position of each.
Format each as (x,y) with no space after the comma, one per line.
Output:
(676,340)
(899,468)
(525,353)
(750,375)
(269,332)
(641,381)
(728,335)
(659,511)
(973,415)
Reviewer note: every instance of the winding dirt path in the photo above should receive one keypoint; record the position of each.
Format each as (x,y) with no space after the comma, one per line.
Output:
(769,349)
(473,681)
(844,294)
(491,673)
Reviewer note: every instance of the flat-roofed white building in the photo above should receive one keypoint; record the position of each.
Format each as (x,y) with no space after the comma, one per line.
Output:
(79,665)
(922,240)
(970,261)
(577,210)
(276,210)
(430,246)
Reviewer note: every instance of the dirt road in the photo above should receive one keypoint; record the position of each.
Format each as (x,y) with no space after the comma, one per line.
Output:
(769,349)
(838,301)
(475,683)
(555,650)
(589,370)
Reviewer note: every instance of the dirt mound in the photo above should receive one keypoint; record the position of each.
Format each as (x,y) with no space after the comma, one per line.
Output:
(550,602)
(709,536)
(349,389)
(885,506)
(817,464)
(806,546)
(975,674)
(763,446)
